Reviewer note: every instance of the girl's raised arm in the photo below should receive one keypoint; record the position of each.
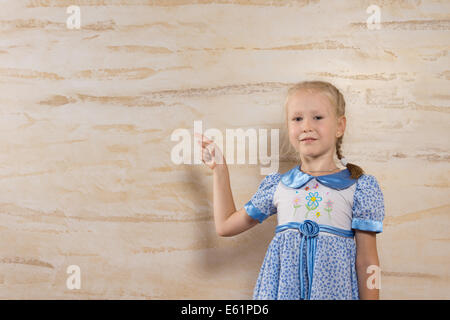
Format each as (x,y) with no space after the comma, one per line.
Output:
(228,221)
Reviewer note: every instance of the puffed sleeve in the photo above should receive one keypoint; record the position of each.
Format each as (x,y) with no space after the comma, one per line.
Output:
(368,205)
(261,206)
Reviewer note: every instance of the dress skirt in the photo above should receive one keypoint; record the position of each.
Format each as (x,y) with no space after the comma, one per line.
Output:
(334,272)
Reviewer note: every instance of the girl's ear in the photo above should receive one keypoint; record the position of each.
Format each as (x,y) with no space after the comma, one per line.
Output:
(342,121)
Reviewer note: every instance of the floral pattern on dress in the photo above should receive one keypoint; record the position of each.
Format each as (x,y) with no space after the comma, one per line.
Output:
(334,275)
(262,199)
(313,199)
(296,203)
(328,208)
(368,200)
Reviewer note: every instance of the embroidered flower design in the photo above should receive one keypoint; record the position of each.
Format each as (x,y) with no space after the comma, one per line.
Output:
(313,199)
(316,186)
(296,203)
(329,207)
(306,188)
(317,214)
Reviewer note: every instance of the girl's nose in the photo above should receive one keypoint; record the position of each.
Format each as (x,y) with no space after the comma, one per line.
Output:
(306,125)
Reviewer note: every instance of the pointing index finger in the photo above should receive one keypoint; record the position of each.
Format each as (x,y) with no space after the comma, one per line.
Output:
(203,138)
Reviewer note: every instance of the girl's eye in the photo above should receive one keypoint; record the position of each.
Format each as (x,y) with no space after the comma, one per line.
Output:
(300,118)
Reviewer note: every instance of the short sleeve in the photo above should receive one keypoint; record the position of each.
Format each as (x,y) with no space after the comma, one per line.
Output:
(368,205)
(261,206)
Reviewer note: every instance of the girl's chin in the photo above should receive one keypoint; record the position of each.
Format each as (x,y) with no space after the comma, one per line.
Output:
(308,152)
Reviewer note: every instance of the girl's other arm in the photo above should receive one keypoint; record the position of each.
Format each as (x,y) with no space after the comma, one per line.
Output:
(366,255)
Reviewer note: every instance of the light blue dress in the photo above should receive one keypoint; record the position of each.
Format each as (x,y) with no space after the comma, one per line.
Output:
(313,252)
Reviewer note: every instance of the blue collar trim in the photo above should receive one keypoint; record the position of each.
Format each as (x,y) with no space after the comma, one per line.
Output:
(295,178)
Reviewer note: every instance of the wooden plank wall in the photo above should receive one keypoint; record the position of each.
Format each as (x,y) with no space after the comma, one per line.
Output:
(86,174)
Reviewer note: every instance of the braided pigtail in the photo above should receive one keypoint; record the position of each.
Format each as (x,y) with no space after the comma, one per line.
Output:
(355,171)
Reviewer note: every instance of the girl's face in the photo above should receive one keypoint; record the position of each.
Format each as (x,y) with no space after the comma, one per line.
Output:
(311,115)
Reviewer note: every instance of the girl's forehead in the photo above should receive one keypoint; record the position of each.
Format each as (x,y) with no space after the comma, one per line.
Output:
(309,101)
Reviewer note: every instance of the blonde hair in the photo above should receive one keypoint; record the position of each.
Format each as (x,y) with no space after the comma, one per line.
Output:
(337,100)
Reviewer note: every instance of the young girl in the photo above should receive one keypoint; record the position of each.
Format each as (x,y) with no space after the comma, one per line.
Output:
(328,218)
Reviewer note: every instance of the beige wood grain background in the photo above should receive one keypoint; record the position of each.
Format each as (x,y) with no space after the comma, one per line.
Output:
(86,117)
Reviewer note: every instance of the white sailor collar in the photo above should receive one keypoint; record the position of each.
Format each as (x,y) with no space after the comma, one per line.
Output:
(295,178)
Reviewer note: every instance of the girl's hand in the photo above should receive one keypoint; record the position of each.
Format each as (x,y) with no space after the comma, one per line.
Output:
(211,153)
